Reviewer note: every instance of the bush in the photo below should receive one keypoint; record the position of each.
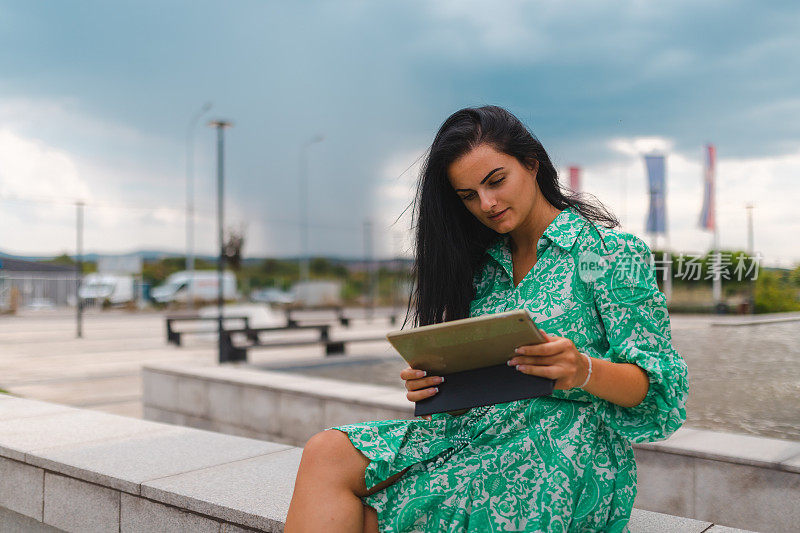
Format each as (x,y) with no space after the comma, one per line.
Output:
(776,292)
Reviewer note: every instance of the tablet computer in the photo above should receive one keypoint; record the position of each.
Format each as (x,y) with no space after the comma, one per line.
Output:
(472,355)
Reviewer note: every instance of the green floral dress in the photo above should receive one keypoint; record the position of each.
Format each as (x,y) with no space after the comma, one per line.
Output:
(562,462)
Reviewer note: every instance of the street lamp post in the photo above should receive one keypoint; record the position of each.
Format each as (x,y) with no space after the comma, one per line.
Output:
(304,260)
(79,267)
(751,252)
(220,125)
(190,197)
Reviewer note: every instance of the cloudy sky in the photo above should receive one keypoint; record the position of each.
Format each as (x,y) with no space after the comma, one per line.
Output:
(96,100)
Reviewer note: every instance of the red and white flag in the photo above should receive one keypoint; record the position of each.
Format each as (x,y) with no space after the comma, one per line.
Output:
(575,178)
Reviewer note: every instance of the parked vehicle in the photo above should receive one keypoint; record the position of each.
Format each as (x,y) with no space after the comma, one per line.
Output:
(272,296)
(317,293)
(201,284)
(112,288)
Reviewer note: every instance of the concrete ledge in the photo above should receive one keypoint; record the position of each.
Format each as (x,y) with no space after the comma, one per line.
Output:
(736,448)
(749,479)
(77,470)
(21,488)
(343,403)
(155,477)
(273,406)
(65,504)
(772,318)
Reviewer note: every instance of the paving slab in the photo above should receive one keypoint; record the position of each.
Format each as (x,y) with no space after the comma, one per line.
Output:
(21,436)
(85,391)
(254,492)
(14,408)
(651,522)
(126,463)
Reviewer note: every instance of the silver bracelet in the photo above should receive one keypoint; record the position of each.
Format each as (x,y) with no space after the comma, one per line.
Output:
(590,370)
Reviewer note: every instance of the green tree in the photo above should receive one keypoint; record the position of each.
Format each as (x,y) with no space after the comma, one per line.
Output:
(776,292)
(63,259)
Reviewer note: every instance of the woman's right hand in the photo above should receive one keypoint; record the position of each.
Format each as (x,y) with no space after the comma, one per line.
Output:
(419,385)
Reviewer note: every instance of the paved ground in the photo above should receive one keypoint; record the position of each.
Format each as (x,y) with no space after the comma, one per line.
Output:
(743,378)
(41,358)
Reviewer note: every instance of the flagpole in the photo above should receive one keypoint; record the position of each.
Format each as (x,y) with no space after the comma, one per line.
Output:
(668,264)
(716,283)
(666,257)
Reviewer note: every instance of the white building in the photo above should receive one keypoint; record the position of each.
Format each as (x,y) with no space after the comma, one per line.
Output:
(36,284)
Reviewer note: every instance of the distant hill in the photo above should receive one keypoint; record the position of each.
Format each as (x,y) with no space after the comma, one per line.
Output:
(155,255)
(146,255)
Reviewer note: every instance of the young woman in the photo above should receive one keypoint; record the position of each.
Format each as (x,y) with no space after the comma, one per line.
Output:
(496,232)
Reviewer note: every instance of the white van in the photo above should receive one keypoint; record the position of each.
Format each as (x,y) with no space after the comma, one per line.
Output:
(203,285)
(316,293)
(114,288)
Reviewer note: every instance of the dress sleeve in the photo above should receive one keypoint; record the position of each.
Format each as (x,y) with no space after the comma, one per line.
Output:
(634,314)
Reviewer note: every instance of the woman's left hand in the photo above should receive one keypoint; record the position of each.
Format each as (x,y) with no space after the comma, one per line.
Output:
(558,359)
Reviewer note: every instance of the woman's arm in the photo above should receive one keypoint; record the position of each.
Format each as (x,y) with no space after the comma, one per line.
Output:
(624,384)
(641,381)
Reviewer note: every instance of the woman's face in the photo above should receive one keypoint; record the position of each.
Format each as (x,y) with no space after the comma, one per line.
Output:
(495,187)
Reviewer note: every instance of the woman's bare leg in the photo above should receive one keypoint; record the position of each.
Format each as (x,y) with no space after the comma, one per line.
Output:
(370,520)
(329,486)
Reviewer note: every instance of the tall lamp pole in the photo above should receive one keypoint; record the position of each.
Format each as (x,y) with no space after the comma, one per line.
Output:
(304,261)
(369,263)
(751,252)
(79,267)
(220,125)
(190,196)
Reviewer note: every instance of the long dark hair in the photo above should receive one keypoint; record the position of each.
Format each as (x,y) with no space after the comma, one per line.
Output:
(450,241)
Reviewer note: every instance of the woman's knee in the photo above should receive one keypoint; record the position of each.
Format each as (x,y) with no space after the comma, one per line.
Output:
(332,447)
(330,456)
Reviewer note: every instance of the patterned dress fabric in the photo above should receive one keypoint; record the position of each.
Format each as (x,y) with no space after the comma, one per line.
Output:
(556,463)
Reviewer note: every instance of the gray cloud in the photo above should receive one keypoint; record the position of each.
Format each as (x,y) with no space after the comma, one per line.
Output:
(377,79)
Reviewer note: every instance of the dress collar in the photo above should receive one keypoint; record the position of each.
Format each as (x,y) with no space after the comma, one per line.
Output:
(565,228)
(563,231)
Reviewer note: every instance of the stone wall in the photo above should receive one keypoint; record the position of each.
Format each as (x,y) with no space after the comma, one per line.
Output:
(79,470)
(274,406)
(66,469)
(726,478)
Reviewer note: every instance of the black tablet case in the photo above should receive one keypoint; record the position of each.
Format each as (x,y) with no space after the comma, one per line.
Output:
(483,386)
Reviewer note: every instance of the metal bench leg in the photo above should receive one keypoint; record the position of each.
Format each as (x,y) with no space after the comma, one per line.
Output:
(173,337)
(334,348)
(230,353)
(252,336)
